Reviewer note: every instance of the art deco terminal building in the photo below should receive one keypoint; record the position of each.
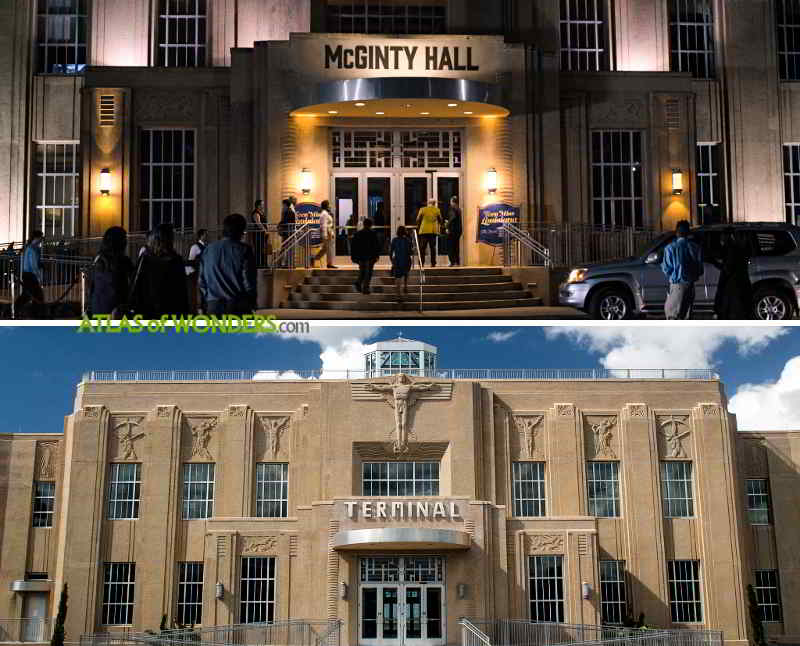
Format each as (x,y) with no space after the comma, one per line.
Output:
(399,504)
(633,113)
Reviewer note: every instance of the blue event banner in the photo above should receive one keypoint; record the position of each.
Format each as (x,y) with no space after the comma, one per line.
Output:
(308,213)
(491,219)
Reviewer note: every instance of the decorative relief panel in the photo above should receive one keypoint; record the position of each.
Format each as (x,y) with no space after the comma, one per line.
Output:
(127,434)
(164,411)
(202,431)
(165,106)
(584,541)
(637,410)
(237,410)
(621,111)
(709,410)
(258,544)
(544,543)
(528,430)
(92,412)
(274,427)
(565,410)
(601,436)
(46,459)
(384,451)
(673,430)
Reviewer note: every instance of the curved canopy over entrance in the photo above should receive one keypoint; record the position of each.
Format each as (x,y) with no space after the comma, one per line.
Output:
(401,538)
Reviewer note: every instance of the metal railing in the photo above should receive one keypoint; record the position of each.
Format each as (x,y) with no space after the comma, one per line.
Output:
(63,282)
(37,629)
(298,239)
(471,635)
(483,374)
(514,239)
(421,268)
(573,245)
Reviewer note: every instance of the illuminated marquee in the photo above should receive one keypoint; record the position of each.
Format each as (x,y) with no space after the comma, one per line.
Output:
(401,510)
(399,57)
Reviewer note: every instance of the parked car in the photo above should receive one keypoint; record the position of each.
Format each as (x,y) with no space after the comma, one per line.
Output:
(636,286)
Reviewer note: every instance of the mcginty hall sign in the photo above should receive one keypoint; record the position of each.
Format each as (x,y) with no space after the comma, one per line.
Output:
(432,58)
(401,510)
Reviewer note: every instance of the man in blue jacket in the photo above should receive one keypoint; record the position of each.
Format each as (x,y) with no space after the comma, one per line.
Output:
(32,276)
(228,271)
(682,265)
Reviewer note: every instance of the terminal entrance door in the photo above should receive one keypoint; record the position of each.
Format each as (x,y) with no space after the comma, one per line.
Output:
(402,601)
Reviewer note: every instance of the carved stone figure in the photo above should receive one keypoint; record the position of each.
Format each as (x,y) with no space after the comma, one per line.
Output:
(262,545)
(201,435)
(400,395)
(602,437)
(526,426)
(273,428)
(545,543)
(126,437)
(670,429)
(46,458)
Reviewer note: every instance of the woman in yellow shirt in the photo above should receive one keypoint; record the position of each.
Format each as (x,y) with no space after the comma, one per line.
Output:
(428,222)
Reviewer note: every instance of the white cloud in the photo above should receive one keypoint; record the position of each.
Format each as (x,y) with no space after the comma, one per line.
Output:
(501,337)
(270,375)
(771,405)
(672,347)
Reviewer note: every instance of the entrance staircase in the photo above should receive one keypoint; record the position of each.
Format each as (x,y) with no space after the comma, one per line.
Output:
(456,288)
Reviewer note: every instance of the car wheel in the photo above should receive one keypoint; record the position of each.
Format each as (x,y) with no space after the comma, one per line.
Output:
(771,304)
(612,304)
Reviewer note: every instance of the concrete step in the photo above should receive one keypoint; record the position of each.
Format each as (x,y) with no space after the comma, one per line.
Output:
(380,306)
(354,297)
(414,277)
(429,271)
(389,288)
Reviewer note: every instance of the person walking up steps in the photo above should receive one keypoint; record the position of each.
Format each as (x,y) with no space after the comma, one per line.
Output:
(401,253)
(682,265)
(327,232)
(429,221)
(454,230)
(365,253)
(32,291)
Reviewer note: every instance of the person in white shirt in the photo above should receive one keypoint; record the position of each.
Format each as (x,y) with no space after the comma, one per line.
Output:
(327,232)
(192,266)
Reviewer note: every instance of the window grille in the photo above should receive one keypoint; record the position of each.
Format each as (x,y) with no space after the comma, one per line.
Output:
(62,36)
(257,593)
(617,176)
(106,110)
(124,489)
(392,569)
(56,188)
(400,478)
(528,489)
(583,36)
(198,490)
(676,489)
(787,13)
(791,182)
(430,148)
(182,33)
(685,602)
(396,149)
(272,490)
(768,595)
(613,595)
(708,183)
(546,588)
(758,508)
(602,481)
(118,594)
(167,182)
(691,37)
(44,497)
(386,17)
(190,593)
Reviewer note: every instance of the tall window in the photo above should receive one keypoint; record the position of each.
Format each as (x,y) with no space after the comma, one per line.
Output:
(400,478)
(190,593)
(617,171)
(272,490)
(358,148)
(676,489)
(758,508)
(56,188)
(44,497)
(691,37)
(788,26)
(387,17)
(61,36)
(602,481)
(181,33)
(685,602)
(257,594)
(123,491)
(528,488)
(198,490)
(546,588)
(118,588)
(768,595)
(791,182)
(166,190)
(613,597)
(584,45)
(709,192)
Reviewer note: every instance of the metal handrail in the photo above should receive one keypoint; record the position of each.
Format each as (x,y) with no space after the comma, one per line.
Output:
(300,236)
(421,267)
(520,236)
(471,635)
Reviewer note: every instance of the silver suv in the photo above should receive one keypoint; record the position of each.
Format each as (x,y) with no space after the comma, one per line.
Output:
(637,286)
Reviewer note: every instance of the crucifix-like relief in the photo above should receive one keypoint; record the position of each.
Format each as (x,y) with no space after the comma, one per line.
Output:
(526,427)
(126,437)
(201,436)
(401,395)
(671,430)
(602,437)
(274,428)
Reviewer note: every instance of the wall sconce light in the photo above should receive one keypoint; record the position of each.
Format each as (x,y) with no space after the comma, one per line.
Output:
(305,181)
(342,590)
(461,590)
(219,591)
(586,590)
(105,182)
(677,181)
(491,180)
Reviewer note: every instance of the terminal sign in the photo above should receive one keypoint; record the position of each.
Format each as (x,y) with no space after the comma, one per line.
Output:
(402,510)
(400,57)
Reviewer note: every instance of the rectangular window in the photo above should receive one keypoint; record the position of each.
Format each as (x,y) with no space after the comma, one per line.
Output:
(181,33)
(787,13)
(56,188)
(768,595)
(198,490)
(272,490)
(758,509)
(685,602)
(61,36)
(791,182)
(691,37)
(602,481)
(190,593)
(676,489)
(528,488)
(118,590)
(125,483)
(709,192)
(166,178)
(617,176)
(421,149)
(257,592)
(584,45)
(613,597)
(44,498)
(386,17)
(400,479)
(546,588)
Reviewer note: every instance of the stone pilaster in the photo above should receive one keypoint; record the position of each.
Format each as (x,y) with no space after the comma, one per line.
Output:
(233,495)
(564,452)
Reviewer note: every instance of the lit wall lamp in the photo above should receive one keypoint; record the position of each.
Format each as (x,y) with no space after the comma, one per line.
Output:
(219,591)
(305,181)
(677,181)
(491,180)
(105,182)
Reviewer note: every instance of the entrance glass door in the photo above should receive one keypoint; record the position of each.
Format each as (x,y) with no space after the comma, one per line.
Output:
(379,208)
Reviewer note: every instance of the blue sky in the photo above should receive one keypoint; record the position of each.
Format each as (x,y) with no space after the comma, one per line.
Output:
(44,364)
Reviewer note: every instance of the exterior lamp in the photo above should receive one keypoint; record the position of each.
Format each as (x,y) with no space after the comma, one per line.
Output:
(491,180)
(677,181)
(105,182)
(305,181)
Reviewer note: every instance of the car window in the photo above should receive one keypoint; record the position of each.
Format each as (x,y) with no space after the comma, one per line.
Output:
(658,244)
(772,243)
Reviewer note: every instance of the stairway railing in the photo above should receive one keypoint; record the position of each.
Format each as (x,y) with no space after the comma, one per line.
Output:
(300,238)
(513,236)
(421,267)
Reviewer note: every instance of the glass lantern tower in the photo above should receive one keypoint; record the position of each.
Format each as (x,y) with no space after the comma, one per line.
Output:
(400,355)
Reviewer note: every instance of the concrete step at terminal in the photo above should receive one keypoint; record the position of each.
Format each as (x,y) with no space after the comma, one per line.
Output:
(455,279)
(413,306)
(308,289)
(358,299)
(438,271)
